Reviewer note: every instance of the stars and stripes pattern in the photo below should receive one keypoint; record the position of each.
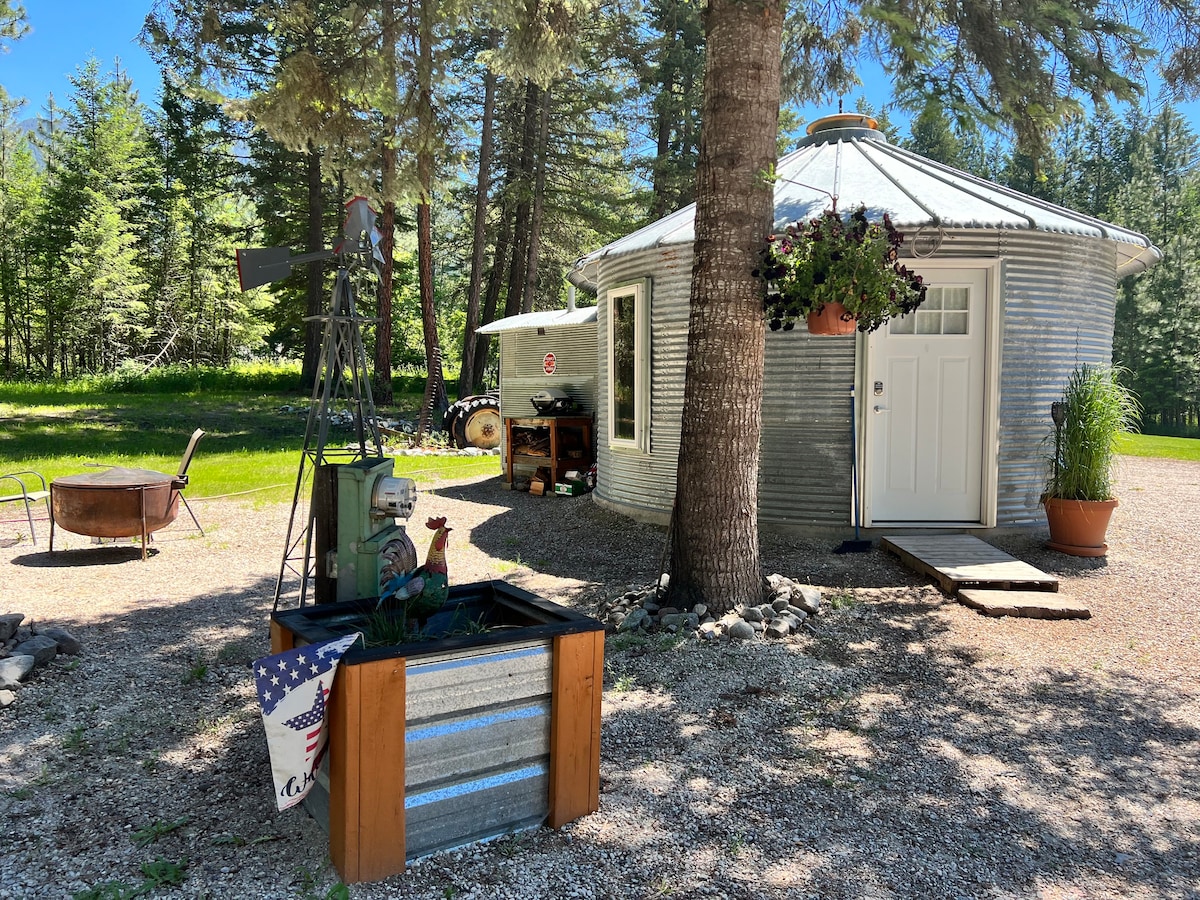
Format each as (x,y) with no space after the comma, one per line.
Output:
(293,688)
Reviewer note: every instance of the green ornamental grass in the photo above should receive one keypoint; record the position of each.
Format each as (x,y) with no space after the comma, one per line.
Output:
(1098,409)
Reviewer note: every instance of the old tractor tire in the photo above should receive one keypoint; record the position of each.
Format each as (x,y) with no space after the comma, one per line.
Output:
(477,423)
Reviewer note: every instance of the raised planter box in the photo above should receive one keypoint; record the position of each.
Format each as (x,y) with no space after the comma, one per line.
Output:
(435,744)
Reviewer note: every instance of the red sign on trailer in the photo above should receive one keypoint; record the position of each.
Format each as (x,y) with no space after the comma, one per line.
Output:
(549,364)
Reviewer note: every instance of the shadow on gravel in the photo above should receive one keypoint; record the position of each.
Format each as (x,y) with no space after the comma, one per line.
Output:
(100,556)
(885,759)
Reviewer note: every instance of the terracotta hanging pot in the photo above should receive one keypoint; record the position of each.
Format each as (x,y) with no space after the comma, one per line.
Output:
(1078,527)
(831,318)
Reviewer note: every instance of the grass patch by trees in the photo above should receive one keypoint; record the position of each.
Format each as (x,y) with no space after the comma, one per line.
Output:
(145,422)
(1159,446)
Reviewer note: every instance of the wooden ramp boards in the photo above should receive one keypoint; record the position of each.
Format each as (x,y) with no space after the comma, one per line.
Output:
(960,560)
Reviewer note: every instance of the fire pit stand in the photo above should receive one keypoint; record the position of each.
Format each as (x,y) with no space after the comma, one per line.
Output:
(115,503)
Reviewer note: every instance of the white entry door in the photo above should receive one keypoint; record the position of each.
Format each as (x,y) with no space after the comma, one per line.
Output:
(924,405)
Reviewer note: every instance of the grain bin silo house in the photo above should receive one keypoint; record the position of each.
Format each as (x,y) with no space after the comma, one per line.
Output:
(952,402)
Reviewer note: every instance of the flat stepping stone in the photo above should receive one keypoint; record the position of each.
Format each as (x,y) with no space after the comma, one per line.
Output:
(1027,604)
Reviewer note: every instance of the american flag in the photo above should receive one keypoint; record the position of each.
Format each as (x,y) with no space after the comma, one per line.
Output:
(292,689)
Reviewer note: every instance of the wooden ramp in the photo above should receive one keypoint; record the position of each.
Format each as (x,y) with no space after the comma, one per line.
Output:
(960,560)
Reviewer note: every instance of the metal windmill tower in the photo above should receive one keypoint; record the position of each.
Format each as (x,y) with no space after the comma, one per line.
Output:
(343,386)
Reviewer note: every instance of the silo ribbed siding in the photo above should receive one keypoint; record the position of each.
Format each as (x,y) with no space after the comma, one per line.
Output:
(1058,296)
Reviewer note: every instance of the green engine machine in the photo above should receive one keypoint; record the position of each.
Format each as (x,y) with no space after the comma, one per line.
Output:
(370,541)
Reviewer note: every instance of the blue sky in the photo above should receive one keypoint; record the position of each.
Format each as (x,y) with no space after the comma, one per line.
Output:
(64,34)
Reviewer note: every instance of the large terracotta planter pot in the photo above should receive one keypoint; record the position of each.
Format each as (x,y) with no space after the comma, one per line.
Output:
(831,318)
(1078,527)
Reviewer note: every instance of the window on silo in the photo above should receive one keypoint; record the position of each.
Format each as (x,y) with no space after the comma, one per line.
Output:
(628,360)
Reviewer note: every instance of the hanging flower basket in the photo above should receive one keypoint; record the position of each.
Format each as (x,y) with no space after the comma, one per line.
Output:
(817,266)
(832,318)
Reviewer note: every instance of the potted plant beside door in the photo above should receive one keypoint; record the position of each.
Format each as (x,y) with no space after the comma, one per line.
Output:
(1094,410)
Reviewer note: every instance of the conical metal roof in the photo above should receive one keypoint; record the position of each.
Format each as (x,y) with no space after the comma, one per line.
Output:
(846,158)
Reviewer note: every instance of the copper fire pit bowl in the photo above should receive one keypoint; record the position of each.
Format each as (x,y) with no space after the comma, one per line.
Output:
(115,503)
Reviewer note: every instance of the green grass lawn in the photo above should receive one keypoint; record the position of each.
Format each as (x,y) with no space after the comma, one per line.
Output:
(1164,447)
(250,445)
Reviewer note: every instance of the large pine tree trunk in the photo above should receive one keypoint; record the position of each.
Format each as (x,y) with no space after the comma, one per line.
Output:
(521,220)
(387,158)
(541,152)
(714,539)
(435,386)
(314,296)
(467,377)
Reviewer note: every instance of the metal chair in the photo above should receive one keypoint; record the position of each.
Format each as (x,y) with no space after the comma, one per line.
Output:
(180,480)
(181,477)
(28,497)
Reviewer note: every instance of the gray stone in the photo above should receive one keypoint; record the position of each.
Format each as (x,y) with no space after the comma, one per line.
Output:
(797,612)
(779,629)
(752,614)
(7,698)
(9,623)
(808,598)
(741,630)
(1027,604)
(615,618)
(674,620)
(651,607)
(667,611)
(42,648)
(636,618)
(67,642)
(13,669)
(759,627)
(700,610)
(779,605)
(767,610)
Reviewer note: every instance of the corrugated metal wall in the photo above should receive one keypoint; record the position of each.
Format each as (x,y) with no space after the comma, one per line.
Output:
(1058,302)
(476,746)
(521,375)
(1060,299)
(626,476)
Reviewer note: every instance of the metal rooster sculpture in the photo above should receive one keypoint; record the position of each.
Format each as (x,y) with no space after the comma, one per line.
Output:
(423,591)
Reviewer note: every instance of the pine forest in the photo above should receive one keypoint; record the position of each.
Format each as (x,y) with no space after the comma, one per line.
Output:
(497,150)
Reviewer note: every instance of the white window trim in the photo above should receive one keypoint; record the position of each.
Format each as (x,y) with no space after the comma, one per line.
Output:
(640,291)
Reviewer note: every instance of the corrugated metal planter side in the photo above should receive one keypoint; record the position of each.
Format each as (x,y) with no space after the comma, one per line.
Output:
(435,750)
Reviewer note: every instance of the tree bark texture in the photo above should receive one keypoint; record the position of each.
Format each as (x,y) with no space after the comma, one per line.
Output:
(314,295)
(714,538)
(541,154)
(467,377)
(382,392)
(387,164)
(524,211)
(435,386)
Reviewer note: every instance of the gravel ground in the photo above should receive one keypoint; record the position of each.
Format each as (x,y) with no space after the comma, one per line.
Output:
(907,747)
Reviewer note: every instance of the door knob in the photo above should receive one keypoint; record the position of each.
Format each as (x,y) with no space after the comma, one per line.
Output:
(880,409)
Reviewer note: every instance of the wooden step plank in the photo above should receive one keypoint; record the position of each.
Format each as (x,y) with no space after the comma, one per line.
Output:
(1027,604)
(955,560)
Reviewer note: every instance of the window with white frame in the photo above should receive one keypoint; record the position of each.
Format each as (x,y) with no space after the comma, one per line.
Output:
(628,365)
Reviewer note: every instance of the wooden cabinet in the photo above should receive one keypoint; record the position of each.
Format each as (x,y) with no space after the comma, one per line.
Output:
(569,444)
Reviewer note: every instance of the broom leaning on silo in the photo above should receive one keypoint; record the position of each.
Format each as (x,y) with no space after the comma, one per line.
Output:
(857,545)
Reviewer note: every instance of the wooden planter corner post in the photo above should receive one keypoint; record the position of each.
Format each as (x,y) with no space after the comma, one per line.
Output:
(366,770)
(575,727)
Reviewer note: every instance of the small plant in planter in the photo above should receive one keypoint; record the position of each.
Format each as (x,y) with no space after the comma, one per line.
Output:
(1094,410)
(840,275)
